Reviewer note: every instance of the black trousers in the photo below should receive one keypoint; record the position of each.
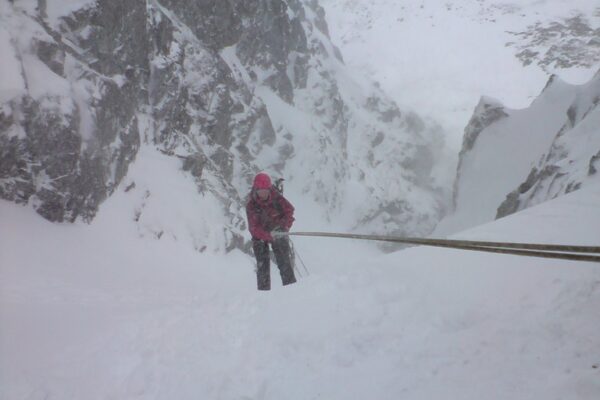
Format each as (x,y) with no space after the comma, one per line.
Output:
(281,248)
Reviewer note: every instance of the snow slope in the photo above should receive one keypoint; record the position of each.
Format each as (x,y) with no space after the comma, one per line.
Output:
(107,311)
(512,159)
(573,159)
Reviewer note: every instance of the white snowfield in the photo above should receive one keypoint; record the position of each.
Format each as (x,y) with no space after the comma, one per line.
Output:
(98,312)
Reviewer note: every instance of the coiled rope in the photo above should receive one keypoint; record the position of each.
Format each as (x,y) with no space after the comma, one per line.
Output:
(563,252)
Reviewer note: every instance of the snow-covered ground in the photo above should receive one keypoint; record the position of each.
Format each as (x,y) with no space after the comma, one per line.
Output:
(439,57)
(107,311)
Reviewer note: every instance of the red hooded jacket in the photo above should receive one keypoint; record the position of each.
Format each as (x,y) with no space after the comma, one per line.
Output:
(264,216)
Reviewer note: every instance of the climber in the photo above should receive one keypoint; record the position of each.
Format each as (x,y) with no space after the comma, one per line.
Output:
(269,213)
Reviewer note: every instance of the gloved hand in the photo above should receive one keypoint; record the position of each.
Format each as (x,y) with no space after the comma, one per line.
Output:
(278,232)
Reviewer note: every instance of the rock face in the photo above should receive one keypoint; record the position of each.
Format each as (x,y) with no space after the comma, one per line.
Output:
(70,131)
(513,159)
(227,88)
(571,42)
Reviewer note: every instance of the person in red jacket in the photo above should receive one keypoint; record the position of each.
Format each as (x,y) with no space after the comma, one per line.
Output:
(268,211)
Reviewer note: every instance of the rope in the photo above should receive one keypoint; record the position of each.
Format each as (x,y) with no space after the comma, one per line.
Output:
(293,258)
(301,261)
(563,252)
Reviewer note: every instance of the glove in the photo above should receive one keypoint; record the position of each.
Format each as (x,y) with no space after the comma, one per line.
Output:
(278,232)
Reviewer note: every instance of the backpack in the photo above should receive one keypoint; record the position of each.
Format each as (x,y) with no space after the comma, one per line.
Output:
(278,185)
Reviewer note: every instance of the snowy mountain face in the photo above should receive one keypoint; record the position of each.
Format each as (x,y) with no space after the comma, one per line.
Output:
(573,159)
(222,89)
(439,57)
(513,159)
